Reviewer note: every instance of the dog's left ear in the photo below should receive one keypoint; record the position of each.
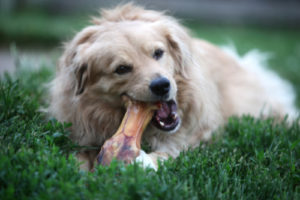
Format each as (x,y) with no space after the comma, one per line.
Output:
(179,45)
(81,74)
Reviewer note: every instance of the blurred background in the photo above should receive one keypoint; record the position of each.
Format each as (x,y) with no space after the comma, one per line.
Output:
(32,31)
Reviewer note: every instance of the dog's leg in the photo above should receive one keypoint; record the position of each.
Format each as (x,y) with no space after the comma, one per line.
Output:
(83,159)
(87,159)
(151,160)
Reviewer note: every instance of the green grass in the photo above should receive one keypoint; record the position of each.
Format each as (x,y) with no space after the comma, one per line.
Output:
(250,159)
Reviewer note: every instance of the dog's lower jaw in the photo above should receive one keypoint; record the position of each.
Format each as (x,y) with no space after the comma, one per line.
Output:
(171,132)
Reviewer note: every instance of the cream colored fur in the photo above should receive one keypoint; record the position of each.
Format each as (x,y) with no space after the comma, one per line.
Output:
(208,83)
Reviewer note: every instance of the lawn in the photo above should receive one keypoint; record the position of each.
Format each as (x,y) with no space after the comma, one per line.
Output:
(251,159)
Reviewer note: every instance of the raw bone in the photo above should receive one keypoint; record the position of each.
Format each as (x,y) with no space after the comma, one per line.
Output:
(125,144)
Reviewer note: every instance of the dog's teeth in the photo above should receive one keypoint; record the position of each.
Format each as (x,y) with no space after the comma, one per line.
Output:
(161,123)
(174,116)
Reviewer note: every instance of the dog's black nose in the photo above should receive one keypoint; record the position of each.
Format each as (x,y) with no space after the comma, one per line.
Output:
(160,86)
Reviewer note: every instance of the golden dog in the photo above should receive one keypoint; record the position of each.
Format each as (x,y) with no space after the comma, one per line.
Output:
(150,57)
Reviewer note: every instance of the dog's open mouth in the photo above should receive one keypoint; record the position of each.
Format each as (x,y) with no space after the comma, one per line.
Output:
(165,117)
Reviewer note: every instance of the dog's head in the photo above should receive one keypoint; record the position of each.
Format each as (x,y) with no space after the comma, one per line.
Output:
(134,52)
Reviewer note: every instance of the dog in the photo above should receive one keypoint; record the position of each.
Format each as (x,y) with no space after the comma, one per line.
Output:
(150,57)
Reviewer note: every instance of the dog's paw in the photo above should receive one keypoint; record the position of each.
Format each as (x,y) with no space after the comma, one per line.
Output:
(146,160)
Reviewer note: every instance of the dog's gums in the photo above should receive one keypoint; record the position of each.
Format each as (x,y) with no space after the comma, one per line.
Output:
(125,144)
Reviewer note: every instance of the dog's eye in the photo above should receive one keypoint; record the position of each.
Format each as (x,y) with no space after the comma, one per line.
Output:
(123,69)
(158,53)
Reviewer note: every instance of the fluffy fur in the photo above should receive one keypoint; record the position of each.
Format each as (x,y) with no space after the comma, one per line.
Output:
(209,84)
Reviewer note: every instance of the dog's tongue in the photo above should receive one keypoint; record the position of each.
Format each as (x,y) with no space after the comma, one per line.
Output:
(164,110)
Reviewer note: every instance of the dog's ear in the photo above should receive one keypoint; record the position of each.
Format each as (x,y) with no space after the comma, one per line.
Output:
(71,56)
(81,74)
(84,37)
(176,48)
(179,45)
